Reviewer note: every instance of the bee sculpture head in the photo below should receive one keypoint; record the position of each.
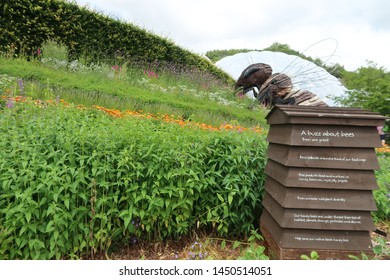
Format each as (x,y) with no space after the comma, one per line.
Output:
(253,77)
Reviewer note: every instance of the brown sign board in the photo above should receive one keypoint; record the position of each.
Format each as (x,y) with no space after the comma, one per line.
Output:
(276,252)
(321,178)
(324,135)
(282,114)
(335,199)
(324,157)
(318,218)
(314,238)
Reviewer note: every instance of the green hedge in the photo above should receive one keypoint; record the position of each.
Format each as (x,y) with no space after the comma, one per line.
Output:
(26,24)
(382,194)
(75,181)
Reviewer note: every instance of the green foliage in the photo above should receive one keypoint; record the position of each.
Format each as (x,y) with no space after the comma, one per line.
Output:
(6,82)
(74,182)
(52,50)
(254,251)
(335,70)
(381,251)
(313,256)
(382,194)
(369,89)
(216,55)
(88,35)
(278,47)
(131,90)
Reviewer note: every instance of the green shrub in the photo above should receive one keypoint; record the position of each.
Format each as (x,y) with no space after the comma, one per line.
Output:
(75,181)
(382,195)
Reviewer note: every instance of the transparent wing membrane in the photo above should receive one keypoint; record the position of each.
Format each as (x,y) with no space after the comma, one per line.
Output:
(303,73)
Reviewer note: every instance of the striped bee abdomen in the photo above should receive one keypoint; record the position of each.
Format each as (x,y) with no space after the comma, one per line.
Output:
(305,98)
(278,89)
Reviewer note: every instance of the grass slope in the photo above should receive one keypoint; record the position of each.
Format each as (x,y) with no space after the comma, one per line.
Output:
(130,90)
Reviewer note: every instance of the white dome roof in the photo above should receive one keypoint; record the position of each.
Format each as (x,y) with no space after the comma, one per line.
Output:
(304,74)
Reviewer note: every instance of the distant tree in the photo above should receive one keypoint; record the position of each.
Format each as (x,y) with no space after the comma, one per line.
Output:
(216,55)
(369,88)
(335,70)
(284,48)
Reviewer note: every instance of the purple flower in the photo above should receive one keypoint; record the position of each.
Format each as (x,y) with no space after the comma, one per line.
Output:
(135,223)
(21,86)
(10,103)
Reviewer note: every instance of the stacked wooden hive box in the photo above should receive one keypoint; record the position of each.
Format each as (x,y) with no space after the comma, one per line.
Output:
(320,177)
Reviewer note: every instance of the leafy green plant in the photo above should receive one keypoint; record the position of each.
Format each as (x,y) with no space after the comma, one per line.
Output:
(368,86)
(254,251)
(54,51)
(381,251)
(75,181)
(313,256)
(381,195)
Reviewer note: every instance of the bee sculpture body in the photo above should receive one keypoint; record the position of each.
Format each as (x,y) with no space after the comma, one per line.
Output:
(274,89)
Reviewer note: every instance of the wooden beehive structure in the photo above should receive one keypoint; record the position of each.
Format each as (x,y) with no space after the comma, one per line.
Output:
(320,177)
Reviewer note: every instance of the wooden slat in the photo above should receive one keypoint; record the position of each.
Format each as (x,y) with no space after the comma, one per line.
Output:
(275,252)
(324,115)
(319,178)
(306,198)
(324,157)
(315,239)
(328,219)
(324,135)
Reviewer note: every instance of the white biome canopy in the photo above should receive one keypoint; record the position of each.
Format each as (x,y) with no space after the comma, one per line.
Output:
(304,74)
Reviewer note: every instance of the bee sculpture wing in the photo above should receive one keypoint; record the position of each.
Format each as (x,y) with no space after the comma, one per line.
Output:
(303,73)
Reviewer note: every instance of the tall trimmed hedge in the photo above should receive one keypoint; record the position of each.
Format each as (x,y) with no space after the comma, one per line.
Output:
(26,24)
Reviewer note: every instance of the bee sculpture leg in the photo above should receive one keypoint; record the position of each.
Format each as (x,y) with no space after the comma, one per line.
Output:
(287,101)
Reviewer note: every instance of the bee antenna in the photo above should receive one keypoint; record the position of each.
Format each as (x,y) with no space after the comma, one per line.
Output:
(303,69)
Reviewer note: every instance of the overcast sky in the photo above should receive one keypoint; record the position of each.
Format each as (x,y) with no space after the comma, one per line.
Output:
(360,28)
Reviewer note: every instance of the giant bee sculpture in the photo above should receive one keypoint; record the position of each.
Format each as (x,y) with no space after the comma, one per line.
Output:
(274,89)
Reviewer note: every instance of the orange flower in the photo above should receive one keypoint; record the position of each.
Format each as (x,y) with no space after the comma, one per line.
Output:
(162,117)
(227,127)
(384,149)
